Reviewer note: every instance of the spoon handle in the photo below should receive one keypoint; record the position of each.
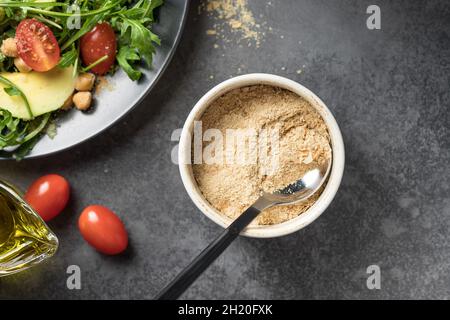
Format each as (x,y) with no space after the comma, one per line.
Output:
(184,280)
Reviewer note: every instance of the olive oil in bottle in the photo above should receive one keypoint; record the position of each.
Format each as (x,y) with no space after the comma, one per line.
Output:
(25,239)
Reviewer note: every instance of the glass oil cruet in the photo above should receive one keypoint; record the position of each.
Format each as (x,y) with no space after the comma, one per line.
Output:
(25,239)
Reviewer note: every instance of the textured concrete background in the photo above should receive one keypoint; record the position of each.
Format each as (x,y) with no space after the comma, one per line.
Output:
(389,91)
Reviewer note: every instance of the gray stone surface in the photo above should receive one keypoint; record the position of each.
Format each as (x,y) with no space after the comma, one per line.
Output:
(389,91)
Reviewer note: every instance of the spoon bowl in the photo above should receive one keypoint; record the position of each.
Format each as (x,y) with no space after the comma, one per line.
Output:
(302,189)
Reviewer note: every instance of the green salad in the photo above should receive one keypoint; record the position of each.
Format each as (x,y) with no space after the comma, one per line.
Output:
(51,54)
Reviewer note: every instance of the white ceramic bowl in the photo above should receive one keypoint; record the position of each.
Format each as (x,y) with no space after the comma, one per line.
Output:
(336,141)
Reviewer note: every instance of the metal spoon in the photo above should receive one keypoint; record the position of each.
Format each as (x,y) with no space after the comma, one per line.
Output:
(298,191)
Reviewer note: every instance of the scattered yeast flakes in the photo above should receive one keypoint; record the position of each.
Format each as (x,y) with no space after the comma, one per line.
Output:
(236,16)
(103,84)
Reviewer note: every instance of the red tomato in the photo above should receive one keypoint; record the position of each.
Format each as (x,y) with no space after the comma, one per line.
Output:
(103,230)
(37,45)
(48,196)
(99,42)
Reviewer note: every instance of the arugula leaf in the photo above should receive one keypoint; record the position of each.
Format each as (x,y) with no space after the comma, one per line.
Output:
(136,40)
(142,10)
(69,58)
(150,7)
(20,136)
(34,7)
(140,38)
(25,148)
(126,57)
(11,129)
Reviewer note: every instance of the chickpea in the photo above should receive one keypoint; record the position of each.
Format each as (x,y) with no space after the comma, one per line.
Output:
(82,100)
(85,82)
(9,48)
(21,65)
(68,104)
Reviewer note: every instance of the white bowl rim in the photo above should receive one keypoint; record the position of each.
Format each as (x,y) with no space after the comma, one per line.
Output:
(334,181)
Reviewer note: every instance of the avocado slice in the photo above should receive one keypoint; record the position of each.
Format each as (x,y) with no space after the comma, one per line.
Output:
(45,91)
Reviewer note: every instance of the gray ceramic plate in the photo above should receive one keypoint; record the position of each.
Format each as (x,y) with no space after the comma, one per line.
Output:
(121,94)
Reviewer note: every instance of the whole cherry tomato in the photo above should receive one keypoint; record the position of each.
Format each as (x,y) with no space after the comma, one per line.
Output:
(48,196)
(103,230)
(37,45)
(99,42)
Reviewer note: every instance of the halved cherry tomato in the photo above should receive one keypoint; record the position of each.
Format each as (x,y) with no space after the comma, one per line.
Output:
(37,45)
(48,196)
(99,42)
(103,230)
